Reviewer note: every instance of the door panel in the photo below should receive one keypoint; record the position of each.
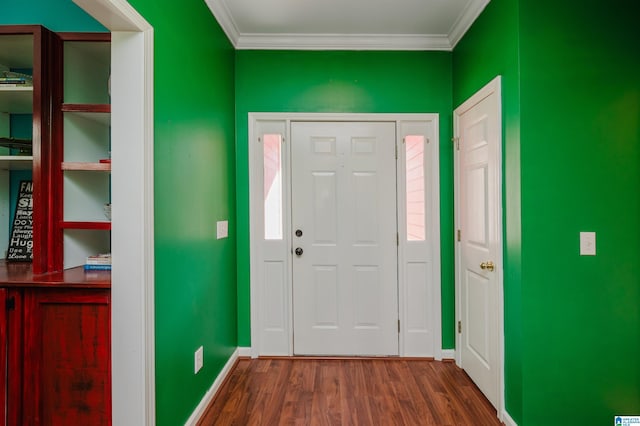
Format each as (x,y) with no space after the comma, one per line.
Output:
(344,201)
(326,297)
(478,204)
(477,317)
(325,212)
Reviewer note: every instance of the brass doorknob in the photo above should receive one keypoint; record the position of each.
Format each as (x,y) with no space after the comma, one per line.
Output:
(487,266)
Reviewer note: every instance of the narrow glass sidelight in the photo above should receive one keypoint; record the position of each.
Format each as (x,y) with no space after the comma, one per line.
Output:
(272,161)
(415,197)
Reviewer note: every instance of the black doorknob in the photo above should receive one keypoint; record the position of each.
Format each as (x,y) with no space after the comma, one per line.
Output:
(298,232)
(299,251)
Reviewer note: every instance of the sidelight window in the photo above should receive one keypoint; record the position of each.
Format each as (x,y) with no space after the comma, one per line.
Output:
(272,161)
(414,155)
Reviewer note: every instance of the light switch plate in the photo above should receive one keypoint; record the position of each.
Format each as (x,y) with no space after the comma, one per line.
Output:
(198,360)
(222,229)
(587,244)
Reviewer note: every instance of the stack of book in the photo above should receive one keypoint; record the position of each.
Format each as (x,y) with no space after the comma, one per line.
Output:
(99,262)
(15,79)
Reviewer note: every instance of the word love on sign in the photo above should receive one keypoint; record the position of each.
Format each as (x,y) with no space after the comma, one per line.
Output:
(21,242)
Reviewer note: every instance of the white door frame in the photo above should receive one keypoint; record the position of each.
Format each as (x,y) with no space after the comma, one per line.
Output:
(410,342)
(132,280)
(493,87)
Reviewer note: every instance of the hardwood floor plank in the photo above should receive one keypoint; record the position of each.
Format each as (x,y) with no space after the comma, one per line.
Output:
(348,392)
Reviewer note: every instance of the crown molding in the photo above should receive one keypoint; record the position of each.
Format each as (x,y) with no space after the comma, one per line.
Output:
(221,12)
(260,41)
(343,42)
(465,20)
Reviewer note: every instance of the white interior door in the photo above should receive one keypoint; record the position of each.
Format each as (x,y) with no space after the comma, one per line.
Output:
(479,254)
(345,285)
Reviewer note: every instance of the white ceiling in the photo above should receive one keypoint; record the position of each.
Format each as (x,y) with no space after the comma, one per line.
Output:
(346,24)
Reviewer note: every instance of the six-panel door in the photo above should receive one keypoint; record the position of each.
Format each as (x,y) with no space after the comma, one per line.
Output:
(345,285)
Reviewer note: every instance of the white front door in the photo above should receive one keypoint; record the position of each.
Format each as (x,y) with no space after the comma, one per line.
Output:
(344,235)
(479,255)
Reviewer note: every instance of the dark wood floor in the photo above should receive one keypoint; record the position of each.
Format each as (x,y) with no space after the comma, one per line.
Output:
(349,392)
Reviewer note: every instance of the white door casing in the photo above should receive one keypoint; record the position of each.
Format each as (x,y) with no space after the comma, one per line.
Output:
(271,260)
(345,284)
(478,186)
(132,280)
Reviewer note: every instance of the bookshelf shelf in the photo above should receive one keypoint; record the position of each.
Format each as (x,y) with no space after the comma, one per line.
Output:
(105,108)
(18,100)
(85,166)
(16,162)
(97,226)
(7,88)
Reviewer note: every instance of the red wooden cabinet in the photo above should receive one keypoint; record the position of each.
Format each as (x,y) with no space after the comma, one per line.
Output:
(56,344)
(12,320)
(67,365)
(3,353)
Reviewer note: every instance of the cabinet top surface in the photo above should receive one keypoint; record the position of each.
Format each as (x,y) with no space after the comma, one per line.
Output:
(21,275)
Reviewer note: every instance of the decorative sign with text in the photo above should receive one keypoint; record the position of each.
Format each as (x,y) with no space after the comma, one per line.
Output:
(21,242)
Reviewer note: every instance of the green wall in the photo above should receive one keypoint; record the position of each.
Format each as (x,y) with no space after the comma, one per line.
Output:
(490,48)
(580,133)
(194,187)
(571,98)
(343,82)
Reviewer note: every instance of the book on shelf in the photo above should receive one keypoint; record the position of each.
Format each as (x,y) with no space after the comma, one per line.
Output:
(99,259)
(97,267)
(15,78)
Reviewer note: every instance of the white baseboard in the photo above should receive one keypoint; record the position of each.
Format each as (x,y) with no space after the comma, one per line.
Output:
(244,352)
(208,397)
(507,420)
(449,354)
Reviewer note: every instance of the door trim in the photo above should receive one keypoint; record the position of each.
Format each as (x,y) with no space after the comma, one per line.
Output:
(132,232)
(283,121)
(493,87)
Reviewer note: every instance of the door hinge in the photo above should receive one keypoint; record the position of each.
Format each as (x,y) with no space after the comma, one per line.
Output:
(398,326)
(456,143)
(397,239)
(459,327)
(396,151)
(10,303)
(459,236)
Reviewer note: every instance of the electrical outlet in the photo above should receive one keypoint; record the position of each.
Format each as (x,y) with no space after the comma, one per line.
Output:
(198,360)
